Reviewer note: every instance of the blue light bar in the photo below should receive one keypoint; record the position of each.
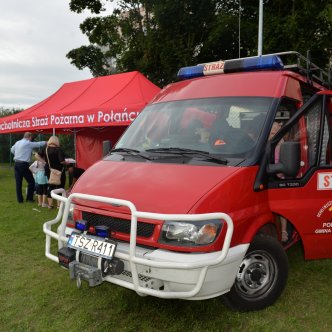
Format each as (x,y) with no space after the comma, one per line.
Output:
(102,231)
(263,62)
(191,72)
(81,225)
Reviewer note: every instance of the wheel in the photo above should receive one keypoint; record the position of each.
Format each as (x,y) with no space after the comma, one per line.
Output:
(262,276)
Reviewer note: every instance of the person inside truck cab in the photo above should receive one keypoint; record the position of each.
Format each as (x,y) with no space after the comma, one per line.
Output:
(190,133)
(228,139)
(204,135)
(276,126)
(254,126)
(195,132)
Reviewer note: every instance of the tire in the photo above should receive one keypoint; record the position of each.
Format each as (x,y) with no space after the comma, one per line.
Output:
(262,276)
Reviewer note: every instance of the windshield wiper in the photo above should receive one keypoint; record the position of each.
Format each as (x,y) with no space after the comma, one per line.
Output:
(183,151)
(131,152)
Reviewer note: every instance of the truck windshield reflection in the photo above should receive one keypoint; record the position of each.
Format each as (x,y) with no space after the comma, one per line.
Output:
(216,126)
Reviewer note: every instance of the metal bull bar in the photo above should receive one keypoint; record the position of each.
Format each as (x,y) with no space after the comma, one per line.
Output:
(131,257)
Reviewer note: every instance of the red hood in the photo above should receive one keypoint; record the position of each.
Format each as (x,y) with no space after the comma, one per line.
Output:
(160,188)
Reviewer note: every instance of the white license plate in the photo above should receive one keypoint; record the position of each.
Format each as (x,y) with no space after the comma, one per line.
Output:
(91,245)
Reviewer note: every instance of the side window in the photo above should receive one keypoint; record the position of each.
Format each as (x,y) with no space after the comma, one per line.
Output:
(307,92)
(312,126)
(306,131)
(285,111)
(326,154)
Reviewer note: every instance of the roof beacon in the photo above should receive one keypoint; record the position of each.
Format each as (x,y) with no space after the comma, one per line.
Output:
(264,62)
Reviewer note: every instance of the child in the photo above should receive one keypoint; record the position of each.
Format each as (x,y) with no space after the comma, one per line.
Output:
(38,168)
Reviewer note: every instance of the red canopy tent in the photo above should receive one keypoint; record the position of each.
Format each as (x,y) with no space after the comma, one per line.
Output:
(96,109)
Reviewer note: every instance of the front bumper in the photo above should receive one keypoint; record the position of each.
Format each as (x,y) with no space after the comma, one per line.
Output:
(158,272)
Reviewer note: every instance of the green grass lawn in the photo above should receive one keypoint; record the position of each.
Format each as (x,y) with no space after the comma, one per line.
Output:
(37,295)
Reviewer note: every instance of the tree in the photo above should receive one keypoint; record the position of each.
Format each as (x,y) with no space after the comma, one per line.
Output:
(154,37)
(6,140)
(8,111)
(300,26)
(158,37)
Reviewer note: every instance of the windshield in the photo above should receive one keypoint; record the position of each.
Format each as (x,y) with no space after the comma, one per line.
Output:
(228,126)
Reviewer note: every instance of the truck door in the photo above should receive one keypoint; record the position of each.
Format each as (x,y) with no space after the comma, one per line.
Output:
(305,199)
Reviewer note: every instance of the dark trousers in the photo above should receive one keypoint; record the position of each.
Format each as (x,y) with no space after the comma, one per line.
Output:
(21,170)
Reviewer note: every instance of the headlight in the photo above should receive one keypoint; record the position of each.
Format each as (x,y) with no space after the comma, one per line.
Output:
(190,233)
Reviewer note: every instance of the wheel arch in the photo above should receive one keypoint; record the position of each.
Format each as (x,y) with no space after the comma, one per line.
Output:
(262,276)
(263,223)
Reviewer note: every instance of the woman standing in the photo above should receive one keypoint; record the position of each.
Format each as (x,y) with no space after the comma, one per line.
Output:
(55,158)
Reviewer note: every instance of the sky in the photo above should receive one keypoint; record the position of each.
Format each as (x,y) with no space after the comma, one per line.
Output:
(35,36)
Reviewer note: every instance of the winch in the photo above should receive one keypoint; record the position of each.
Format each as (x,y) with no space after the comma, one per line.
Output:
(88,267)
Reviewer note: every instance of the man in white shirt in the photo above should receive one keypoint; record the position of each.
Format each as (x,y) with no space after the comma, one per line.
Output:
(22,151)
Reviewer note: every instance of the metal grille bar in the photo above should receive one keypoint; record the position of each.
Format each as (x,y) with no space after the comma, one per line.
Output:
(117,224)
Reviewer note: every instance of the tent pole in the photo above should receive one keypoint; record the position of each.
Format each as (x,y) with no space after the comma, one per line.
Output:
(10,145)
(75,145)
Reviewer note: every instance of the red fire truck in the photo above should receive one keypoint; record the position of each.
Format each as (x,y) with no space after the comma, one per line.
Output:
(206,190)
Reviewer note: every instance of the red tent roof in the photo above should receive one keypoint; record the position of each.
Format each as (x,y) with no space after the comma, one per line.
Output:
(113,100)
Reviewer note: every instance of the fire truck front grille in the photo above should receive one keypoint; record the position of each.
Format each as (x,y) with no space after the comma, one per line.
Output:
(117,224)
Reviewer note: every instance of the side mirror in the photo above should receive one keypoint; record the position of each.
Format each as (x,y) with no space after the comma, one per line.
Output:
(107,146)
(289,160)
